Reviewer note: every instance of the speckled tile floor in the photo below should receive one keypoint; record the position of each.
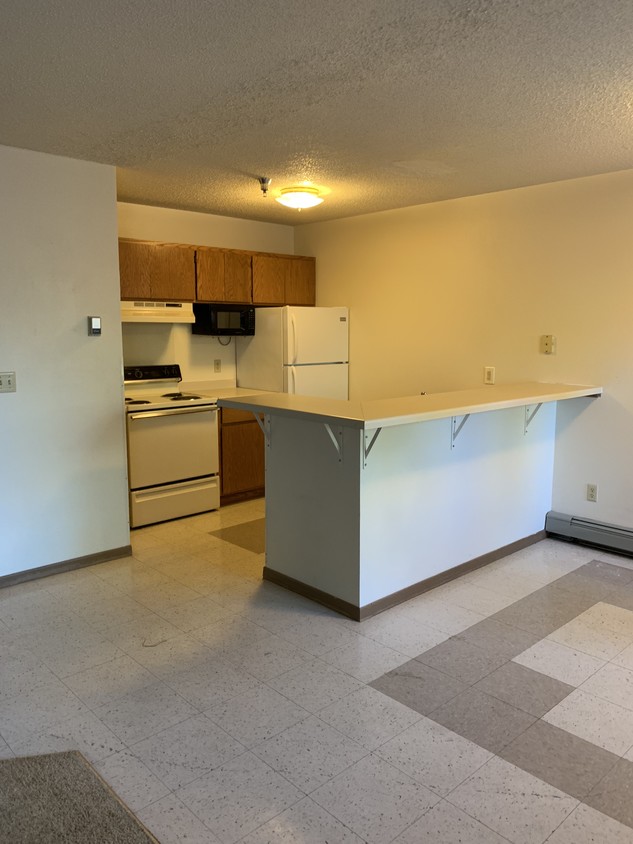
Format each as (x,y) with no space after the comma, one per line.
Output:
(497,708)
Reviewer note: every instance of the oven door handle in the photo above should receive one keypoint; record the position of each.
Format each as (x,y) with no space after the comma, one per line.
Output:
(152,414)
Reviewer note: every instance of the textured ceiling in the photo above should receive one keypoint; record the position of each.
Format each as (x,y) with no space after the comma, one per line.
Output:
(386,104)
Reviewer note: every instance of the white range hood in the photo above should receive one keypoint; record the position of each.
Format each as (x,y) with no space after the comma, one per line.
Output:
(157,312)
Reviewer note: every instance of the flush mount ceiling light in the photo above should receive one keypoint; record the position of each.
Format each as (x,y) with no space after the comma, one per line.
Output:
(299,197)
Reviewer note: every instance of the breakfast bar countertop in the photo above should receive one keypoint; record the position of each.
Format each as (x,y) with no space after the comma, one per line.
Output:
(382,413)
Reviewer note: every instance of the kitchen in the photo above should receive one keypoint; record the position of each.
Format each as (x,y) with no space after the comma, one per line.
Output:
(81,463)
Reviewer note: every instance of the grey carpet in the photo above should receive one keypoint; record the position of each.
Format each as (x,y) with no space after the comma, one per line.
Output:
(58,798)
(248,535)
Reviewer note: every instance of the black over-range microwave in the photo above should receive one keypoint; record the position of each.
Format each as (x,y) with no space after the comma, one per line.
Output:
(220,320)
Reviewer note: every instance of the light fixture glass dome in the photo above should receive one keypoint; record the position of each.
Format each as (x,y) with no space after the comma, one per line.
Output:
(299,197)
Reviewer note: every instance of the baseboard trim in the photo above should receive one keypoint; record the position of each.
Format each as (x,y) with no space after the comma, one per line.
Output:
(65,565)
(361,613)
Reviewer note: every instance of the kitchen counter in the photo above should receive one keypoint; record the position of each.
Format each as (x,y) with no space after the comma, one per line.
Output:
(369,503)
(381,413)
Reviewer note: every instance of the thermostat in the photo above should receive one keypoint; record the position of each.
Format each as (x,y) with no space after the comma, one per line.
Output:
(94,326)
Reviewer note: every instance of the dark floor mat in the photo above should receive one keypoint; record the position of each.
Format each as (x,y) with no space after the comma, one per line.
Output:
(248,535)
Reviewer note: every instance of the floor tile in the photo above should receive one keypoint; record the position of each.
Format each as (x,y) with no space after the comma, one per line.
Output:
(195,614)
(369,717)
(612,683)
(418,686)
(239,797)
(209,683)
(462,660)
(625,658)
(612,795)
(498,638)
(256,715)
(563,760)
(374,800)
(595,720)
(131,780)
(173,823)
(85,733)
(401,632)
(544,611)
(105,683)
(315,684)
(440,615)
(586,635)
(612,617)
(140,714)
(484,720)
(180,754)
(607,572)
(577,582)
(310,753)
(622,597)
(268,658)
(524,688)
(36,709)
(364,659)
(318,634)
(446,824)
(477,598)
(434,756)
(303,823)
(588,826)
(513,803)
(559,661)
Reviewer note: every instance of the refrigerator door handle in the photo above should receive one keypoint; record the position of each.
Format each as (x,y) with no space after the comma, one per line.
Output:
(294,339)
(294,385)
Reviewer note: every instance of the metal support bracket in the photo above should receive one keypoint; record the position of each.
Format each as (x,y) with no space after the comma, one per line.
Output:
(530,414)
(369,444)
(456,428)
(337,438)
(265,426)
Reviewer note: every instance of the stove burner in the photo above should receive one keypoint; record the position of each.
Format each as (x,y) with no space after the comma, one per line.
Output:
(137,401)
(180,396)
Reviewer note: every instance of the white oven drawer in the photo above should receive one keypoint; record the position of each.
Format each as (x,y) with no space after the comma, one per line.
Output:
(160,503)
(172,445)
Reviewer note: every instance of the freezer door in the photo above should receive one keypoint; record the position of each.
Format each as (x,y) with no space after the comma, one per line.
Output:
(316,335)
(328,381)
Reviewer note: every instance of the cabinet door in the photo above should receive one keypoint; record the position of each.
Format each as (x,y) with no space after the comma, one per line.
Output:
(300,282)
(173,273)
(210,275)
(269,279)
(156,271)
(134,269)
(242,469)
(238,285)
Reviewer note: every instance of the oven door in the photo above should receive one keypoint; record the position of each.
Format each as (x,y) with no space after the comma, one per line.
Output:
(170,445)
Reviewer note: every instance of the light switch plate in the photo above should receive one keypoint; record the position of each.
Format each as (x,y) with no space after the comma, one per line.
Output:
(7,382)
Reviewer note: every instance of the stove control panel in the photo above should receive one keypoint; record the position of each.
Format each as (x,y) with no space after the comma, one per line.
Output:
(144,374)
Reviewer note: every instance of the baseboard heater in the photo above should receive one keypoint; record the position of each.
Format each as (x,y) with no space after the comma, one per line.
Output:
(588,532)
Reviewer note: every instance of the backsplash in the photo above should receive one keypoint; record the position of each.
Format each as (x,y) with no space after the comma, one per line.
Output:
(153,343)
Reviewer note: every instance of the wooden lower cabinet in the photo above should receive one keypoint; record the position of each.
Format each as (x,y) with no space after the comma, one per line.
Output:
(242,457)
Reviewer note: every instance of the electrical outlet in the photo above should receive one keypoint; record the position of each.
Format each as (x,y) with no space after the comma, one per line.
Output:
(548,344)
(217,365)
(7,382)
(489,375)
(592,492)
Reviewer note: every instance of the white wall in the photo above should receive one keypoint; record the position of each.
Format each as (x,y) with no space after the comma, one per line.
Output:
(143,344)
(62,471)
(437,292)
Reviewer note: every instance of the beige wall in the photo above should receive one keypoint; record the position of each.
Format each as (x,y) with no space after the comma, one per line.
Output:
(437,292)
(63,488)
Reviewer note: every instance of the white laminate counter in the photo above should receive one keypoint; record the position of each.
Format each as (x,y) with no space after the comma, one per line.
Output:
(383,413)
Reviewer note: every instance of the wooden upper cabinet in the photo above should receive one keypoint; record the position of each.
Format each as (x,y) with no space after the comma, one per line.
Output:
(300,287)
(269,280)
(223,276)
(161,271)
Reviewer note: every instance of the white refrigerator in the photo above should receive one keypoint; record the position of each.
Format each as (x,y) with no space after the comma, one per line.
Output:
(296,350)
